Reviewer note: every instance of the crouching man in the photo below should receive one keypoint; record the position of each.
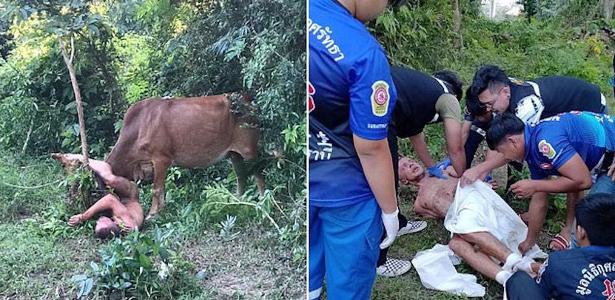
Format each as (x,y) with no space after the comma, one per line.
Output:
(434,198)
(587,272)
(119,211)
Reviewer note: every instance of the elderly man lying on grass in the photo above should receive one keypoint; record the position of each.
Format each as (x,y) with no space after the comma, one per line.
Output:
(118,211)
(435,197)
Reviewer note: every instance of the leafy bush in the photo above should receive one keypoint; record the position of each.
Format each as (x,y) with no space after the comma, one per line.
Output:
(141,265)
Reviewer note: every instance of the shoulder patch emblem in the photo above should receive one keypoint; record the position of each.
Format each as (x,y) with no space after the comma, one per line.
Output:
(516,81)
(311,92)
(546,149)
(546,166)
(380,98)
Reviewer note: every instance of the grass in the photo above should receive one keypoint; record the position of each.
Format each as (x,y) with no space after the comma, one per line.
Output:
(40,253)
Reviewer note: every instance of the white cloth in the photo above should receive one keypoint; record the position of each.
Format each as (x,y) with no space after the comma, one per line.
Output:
(476,208)
(436,270)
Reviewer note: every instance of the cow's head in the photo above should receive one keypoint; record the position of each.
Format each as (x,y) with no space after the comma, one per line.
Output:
(70,162)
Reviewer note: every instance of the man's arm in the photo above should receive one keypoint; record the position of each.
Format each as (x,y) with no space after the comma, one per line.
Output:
(574,177)
(465,130)
(375,159)
(420,147)
(106,203)
(480,170)
(538,212)
(454,145)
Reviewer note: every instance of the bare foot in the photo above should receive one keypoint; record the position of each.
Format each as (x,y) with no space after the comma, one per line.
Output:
(75,220)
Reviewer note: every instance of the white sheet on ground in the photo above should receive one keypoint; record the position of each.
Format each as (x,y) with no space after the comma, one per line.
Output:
(476,208)
(436,270)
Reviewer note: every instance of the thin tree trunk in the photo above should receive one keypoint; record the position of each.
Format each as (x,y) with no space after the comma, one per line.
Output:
(492,10)
(25,144)
(457,25)
(73,79)
(607,9)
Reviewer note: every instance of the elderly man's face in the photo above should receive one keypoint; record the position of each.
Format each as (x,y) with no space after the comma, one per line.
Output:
(409,171)
(106,227)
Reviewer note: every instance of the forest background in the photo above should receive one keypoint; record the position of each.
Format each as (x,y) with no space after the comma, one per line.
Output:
(207,241)
(550,37)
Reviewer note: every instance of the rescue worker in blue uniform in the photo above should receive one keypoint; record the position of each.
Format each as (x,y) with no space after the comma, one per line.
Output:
(422,100)
(587,272)
(352,191)
(492,91)
(570,146)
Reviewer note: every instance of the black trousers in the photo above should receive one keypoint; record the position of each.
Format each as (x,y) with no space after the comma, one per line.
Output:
(403,221)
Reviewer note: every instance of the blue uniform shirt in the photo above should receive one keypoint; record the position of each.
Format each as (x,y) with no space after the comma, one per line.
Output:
(552,142)
(579,273)
(350,92)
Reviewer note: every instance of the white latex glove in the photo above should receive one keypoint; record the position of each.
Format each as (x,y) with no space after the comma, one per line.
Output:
(391,226)
(525,265)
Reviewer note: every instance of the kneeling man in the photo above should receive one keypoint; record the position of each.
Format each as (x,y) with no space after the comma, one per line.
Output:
(569,147)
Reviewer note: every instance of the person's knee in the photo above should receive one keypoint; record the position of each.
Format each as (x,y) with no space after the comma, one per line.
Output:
(456,244)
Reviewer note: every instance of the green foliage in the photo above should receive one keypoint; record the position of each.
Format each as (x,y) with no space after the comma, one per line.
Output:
(81,186)
(27,186)
(226,228)
(142,265)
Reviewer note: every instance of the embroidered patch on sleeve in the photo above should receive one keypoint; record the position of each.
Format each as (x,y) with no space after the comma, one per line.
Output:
(546,166)
(311,92)
(546,149)
(380,98)
(516,81)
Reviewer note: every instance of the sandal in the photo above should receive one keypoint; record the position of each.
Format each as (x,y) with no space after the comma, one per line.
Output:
(559,241)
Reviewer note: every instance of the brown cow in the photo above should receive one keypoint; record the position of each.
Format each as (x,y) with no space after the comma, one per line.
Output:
(192,132)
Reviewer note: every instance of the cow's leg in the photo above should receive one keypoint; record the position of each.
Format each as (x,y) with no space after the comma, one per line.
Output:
(160,170)
(240,171)
(260,182)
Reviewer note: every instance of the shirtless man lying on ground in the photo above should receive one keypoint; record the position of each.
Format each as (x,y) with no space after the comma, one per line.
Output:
(433,200)
(122,205)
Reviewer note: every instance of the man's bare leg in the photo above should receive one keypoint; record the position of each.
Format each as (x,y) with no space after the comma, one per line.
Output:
(488,244)
(571,201)
(122,186)
(537,214)
(478,260)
